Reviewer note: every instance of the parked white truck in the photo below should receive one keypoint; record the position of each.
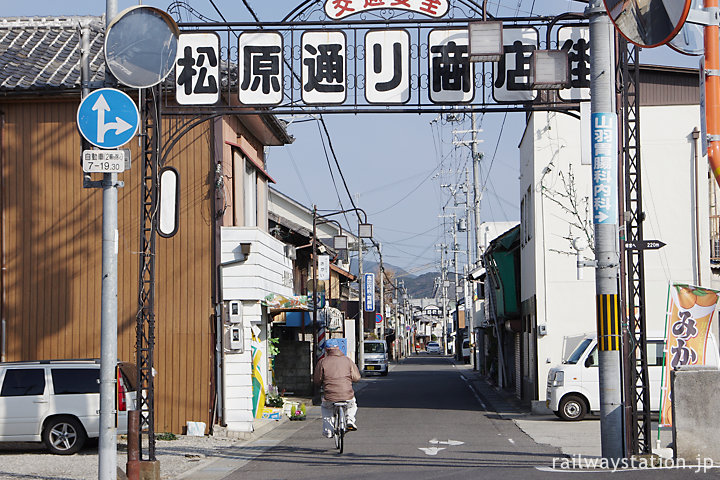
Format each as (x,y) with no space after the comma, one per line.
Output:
(573,388)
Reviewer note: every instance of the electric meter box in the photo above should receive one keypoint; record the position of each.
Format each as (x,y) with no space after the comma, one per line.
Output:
(234,311)
(236,338)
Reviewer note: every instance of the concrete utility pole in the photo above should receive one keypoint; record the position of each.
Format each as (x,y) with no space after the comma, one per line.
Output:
(604,152)
(398,331)
(107,447)
(360,324)
(458,337)
(382,292)
(467,286)
(442,290)
(477,194)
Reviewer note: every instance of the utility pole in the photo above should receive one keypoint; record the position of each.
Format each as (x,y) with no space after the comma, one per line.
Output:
(382,293)
(107,446)
(442,297)
(458,337)
(360,325)
(467,291)
(604,122)
(398,332)
(477,194)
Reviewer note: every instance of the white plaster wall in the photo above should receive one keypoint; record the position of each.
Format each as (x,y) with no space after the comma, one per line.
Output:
(669,203)
(567,305)
(262,273)
(237,374)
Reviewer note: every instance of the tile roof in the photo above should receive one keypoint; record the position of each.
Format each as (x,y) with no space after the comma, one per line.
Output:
(43,53)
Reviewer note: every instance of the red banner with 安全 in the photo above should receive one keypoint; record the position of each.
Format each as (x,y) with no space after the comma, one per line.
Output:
(690,312)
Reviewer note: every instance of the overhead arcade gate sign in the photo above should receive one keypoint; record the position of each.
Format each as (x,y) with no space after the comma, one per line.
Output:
(374,55)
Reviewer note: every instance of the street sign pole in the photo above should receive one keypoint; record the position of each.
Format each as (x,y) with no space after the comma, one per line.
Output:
(107,463)
(605,157)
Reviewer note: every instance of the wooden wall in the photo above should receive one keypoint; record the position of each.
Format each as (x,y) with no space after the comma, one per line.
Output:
(52,229)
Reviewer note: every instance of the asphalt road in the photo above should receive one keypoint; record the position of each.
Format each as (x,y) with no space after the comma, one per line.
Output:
(410,425)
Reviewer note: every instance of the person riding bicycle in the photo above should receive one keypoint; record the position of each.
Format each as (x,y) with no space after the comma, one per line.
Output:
(336,373)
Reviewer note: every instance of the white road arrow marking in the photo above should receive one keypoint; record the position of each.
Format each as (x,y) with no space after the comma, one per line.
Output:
(453,442)
(435,441)
(119,125)
(432,450)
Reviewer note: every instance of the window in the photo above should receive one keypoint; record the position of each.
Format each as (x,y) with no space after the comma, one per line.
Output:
(374,348)
(592,360)
(655,354)
(577,353)
(72,381)
(23,381)
(250,194)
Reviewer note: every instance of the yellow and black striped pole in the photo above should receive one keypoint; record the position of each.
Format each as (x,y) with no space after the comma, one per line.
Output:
(608,322)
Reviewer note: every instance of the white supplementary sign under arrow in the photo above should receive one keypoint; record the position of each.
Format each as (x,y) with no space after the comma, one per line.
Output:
(119,125)
(435,441)
(431,450)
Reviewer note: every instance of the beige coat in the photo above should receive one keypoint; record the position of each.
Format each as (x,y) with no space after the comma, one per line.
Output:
(337,373)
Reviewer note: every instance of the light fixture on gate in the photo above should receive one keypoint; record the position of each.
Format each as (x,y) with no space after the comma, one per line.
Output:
(365,230)
(340,242)
(486,41)
(549,70)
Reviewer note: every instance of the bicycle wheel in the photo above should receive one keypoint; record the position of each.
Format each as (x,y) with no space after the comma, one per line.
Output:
(336,428)
(341,431)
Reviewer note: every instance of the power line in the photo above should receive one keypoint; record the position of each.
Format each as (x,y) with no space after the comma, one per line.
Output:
(332,175)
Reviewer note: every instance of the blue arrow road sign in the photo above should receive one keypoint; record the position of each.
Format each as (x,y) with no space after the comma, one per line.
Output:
(108,118)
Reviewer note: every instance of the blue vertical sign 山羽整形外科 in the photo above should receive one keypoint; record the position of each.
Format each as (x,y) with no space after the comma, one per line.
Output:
(604,168)
(108,118)
(369,297)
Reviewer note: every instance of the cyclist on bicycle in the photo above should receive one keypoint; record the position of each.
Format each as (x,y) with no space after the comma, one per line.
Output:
(336,373)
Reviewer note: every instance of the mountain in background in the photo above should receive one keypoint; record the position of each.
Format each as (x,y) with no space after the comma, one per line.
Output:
(418,286)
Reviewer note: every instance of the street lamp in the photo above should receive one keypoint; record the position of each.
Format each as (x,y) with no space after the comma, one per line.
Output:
(549,70)
(486,41)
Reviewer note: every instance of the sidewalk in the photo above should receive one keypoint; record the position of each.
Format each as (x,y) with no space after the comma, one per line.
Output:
(572,438)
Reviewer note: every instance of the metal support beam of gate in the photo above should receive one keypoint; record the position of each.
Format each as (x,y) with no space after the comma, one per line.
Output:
(637,391)
(145,328)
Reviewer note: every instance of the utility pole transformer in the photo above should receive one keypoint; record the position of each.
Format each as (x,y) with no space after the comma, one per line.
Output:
(604,166)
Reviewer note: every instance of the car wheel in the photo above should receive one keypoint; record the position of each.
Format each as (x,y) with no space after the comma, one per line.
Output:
(64,435)
(572,408)
(383,374)
(557,413)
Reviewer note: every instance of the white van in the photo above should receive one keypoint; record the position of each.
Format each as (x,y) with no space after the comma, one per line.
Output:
(58,402)
(376,356)
(573,388)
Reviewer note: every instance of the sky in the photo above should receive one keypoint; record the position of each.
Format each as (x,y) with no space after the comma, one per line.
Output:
(394,164)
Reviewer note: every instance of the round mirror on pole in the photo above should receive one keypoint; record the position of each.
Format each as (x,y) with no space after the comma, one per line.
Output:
(648,23)
(691,39)
(141,46)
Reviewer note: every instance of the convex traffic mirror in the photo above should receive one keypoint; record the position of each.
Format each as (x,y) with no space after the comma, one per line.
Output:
(141,46)
(648,23)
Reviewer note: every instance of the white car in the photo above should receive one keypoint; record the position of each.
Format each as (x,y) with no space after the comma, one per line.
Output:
(376,357)
(433,347)
(58,402)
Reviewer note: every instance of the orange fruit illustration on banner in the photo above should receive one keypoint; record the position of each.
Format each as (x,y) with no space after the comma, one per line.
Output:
(686,298)
(710,298)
